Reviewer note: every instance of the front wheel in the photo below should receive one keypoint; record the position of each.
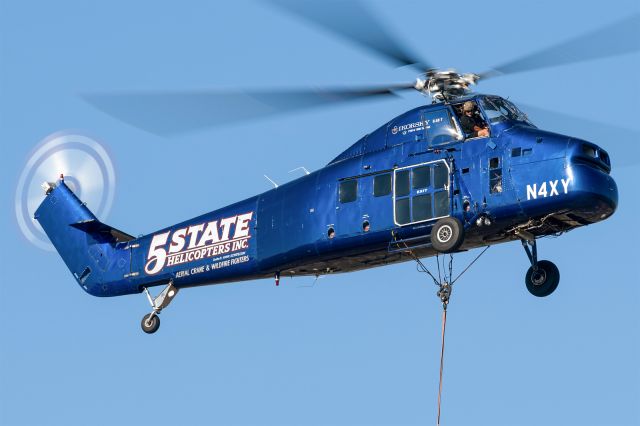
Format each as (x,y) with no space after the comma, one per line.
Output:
(150,323)
(543,280)
(447,235)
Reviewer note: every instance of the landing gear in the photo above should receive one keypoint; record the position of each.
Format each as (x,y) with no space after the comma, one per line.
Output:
(543,276)
(447,235)
(151,322)
(543,280)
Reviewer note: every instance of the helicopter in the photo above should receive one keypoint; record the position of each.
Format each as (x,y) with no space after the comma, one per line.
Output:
(419,185)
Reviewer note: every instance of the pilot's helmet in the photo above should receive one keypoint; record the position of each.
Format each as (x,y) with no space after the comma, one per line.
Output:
(468,106)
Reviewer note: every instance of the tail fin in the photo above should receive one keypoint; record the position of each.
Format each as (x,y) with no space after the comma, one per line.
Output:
(95,253)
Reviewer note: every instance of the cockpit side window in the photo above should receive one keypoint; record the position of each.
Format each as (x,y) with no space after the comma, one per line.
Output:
(472,122)
(441,128)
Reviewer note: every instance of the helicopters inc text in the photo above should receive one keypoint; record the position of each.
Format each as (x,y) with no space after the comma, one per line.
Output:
(198,242)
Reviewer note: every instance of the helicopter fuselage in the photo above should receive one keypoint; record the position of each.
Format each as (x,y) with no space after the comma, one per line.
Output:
(373,205)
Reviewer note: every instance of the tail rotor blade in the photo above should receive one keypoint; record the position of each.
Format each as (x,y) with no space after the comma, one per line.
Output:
(88,171)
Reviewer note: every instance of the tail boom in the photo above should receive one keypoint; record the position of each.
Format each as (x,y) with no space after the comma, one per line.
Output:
(96,254)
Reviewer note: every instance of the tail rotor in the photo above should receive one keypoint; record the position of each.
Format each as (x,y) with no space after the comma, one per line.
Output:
(87,169)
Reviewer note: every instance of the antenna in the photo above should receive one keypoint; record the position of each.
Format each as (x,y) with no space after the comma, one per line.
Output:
(306,172)
(275,185)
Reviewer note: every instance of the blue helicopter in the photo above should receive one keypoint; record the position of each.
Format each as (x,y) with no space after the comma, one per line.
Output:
(467,170)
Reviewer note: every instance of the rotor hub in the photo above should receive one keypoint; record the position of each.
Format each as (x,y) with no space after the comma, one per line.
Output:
(444,85)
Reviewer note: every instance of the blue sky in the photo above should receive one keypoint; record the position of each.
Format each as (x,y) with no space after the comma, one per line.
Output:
(355,349)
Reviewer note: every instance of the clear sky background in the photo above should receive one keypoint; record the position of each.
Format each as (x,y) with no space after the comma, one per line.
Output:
(355,349)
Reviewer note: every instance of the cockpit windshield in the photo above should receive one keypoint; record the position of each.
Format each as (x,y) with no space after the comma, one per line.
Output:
(498,109)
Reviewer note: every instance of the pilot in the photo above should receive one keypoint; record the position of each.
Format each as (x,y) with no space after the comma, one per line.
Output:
(472,125)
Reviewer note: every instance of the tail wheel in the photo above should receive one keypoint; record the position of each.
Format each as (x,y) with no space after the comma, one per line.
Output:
(447,235)
(542,280)
(150,323)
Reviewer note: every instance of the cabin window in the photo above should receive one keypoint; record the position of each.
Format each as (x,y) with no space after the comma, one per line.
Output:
(440,176)
(526,151)
(402,183)
(420,178)
(495,176)
(441,203)
(403,215)
(424,193)
(382,185)
(348,191)
(421,209)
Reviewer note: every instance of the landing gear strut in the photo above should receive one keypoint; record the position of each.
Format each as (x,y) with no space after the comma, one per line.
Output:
(151,322)
(543,276)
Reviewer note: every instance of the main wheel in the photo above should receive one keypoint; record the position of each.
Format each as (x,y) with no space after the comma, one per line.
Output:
(150,323)
(542,281)
(447,235)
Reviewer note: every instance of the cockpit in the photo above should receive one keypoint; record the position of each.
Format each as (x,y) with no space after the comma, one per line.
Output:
(439,125)
(478,116)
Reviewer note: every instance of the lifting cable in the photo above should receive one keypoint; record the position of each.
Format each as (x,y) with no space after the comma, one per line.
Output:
(445,302)
(445,283)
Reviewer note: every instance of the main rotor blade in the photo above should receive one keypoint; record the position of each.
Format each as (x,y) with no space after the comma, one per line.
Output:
(621,143)
(618,38)
(354,22)
(179,112)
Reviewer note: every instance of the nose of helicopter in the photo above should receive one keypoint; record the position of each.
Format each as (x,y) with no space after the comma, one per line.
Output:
(594,191)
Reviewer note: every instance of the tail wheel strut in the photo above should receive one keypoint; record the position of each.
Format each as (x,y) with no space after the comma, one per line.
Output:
(151,322)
